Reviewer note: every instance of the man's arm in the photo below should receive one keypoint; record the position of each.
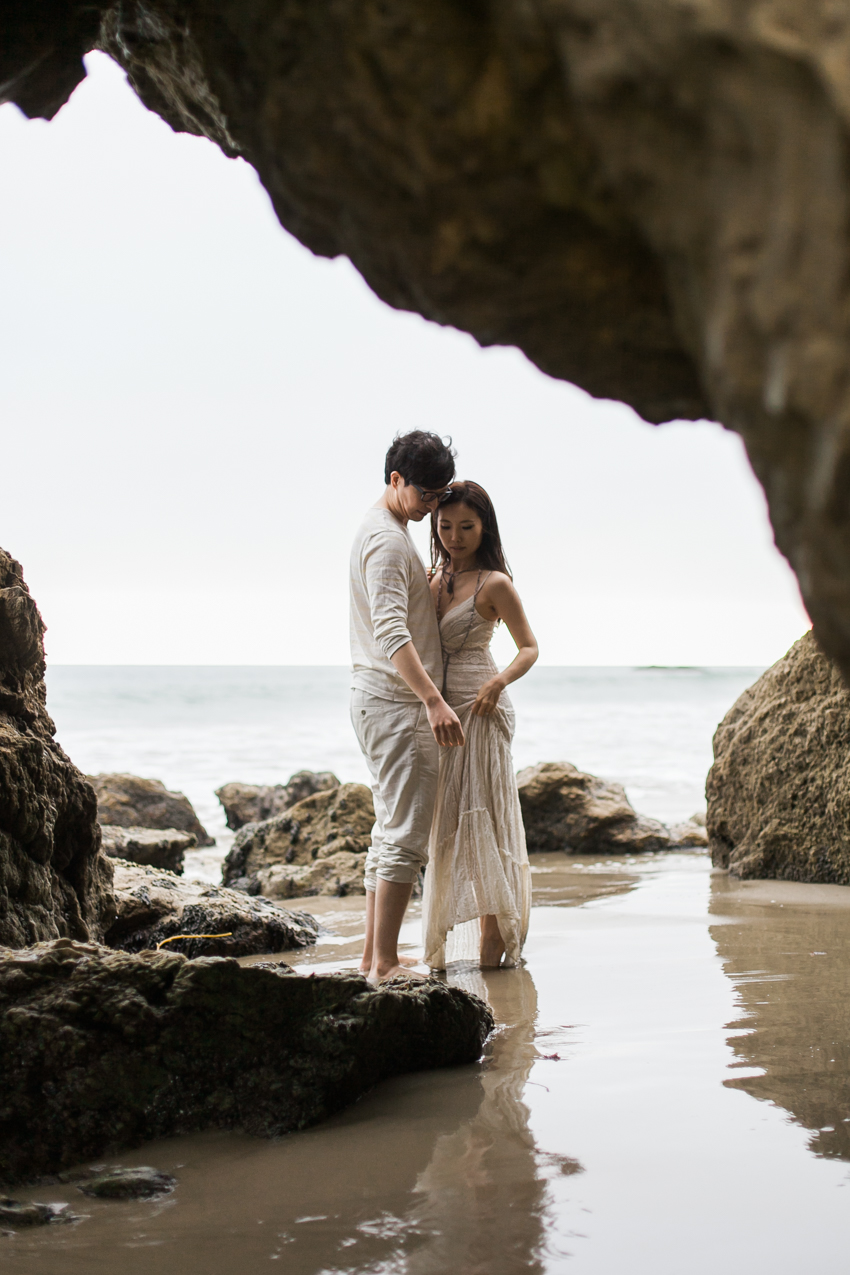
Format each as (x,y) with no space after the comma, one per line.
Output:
(387,587)
(444,722)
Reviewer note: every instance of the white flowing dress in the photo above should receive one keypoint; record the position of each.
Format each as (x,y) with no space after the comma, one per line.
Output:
(478,862)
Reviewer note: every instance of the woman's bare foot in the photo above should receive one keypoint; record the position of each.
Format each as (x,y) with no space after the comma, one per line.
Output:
(409,960)
(492,947)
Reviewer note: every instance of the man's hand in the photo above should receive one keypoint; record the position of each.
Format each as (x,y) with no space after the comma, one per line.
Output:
(487,700)
(445,723)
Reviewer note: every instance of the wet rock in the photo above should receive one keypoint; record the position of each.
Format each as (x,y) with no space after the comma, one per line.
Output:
(689,835)
(318,846)
(126,801)
(568,810)
(138,1183)
(21,1215)
(154,905)
(160,848)
(254,803)
(779,790)
(54,881)
(338,874)
(103,1049)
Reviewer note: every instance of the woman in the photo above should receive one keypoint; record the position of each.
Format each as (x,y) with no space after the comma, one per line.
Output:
(477,886)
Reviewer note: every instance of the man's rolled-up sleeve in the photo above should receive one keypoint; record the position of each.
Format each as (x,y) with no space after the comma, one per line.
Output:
(388,585)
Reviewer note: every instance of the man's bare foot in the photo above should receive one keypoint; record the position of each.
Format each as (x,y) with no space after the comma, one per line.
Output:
(394,971)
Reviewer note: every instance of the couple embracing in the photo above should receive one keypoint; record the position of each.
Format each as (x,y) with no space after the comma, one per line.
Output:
(432,719)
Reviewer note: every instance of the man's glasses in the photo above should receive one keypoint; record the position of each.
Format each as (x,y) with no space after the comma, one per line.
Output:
(427,497)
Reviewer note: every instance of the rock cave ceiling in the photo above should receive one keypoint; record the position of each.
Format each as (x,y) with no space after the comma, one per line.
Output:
(648,197)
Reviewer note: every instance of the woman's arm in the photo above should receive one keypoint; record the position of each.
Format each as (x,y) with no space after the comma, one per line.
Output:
(503,599)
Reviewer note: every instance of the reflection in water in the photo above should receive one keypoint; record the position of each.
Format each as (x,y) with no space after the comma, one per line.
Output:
(485,1196)
(431,1173)
(786,947)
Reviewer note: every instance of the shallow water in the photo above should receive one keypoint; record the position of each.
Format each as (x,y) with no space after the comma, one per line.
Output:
(196,728)
(667,1092)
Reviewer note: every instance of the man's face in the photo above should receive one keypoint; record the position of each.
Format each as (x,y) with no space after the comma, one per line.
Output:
(413,502)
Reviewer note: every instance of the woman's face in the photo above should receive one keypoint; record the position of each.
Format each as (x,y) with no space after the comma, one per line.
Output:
(460,530)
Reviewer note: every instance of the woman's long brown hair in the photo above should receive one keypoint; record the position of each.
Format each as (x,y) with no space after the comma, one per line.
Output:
(490,555)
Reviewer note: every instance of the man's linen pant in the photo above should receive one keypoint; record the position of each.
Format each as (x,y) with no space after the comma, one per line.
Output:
(403,759)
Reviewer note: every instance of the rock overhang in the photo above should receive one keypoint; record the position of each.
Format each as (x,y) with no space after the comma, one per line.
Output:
(649,199)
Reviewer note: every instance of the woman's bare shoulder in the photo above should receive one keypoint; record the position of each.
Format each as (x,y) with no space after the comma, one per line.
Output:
(499,582)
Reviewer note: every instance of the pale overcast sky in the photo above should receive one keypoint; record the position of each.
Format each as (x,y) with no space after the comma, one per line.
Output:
(195,412)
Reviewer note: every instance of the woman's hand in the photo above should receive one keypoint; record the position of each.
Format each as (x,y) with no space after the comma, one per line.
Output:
(487,700)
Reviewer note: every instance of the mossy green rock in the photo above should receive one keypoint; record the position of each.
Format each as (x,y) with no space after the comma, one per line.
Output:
(103,1049)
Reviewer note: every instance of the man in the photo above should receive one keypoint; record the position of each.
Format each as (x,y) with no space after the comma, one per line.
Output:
(399,716)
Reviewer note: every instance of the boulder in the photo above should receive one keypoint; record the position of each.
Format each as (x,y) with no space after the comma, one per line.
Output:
(126,801)
(338,874)
(103,1050)
(21,1215)
(253,803)
(54,880)
(318,846)
(161,848)
(565,809)
(779,790)
(154,905)
(691,834)
(137,1183)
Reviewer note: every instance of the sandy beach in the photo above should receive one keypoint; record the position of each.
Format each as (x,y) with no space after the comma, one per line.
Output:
(665,1090)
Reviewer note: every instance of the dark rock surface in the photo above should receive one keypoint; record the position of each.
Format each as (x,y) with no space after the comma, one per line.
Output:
(318,846)
(103,1050)
(160,848)
(565,809)
(137,1183)
(20,1215)
(154,905)
(779,790)
(253,803)
(126,801)
(54,881)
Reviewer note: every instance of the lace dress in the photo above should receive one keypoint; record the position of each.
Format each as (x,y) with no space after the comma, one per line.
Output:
(478,863)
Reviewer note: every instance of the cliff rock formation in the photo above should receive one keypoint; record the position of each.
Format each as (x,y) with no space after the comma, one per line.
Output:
(252,803)
(154,905)
(568,810)
(650,199)
(318,846)
(126,801)
(779,790)
(54,881)
(103,1050)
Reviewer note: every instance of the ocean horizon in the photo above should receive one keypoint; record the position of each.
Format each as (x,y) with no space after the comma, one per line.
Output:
(196,727)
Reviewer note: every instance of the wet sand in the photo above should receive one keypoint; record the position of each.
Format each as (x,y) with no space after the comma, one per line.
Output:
(667,1092)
